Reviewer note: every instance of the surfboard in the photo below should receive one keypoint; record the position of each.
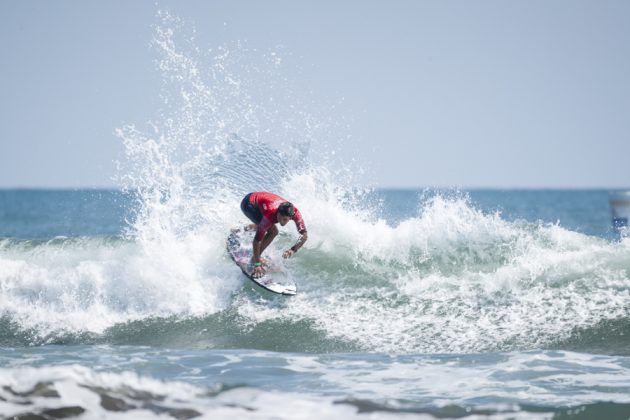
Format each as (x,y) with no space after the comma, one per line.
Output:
(239,246)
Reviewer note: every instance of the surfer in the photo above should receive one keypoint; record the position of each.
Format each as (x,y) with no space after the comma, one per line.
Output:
(265,210)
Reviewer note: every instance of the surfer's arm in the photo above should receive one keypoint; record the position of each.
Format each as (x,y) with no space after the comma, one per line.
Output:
(289,252)
(257,243)
(301,228)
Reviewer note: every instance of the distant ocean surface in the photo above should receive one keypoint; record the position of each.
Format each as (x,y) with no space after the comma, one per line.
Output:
(419,304)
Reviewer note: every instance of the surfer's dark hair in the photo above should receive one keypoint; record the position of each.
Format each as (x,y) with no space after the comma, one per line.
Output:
(286,209)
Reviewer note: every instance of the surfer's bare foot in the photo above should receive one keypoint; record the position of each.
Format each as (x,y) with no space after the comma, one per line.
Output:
(258,272)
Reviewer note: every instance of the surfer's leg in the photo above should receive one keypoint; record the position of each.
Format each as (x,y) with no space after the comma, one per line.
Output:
(252,212)
(269,237)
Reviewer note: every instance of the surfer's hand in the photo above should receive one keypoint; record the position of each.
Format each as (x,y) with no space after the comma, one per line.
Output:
(258,272)
(288,253)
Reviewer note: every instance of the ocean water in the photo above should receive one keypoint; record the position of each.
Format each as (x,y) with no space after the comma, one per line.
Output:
(411,303)
(478,304)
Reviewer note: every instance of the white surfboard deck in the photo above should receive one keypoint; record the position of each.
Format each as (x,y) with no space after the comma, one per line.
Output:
(239,246)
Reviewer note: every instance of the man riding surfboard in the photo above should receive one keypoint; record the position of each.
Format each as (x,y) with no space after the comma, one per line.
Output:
(265,209)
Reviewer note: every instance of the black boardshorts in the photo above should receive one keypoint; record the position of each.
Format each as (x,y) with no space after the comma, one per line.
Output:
(251,211)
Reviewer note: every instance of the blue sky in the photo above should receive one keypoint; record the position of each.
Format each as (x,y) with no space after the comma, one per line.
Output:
(526,94)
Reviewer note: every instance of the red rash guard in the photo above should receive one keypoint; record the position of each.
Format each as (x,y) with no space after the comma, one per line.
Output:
(268,204)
